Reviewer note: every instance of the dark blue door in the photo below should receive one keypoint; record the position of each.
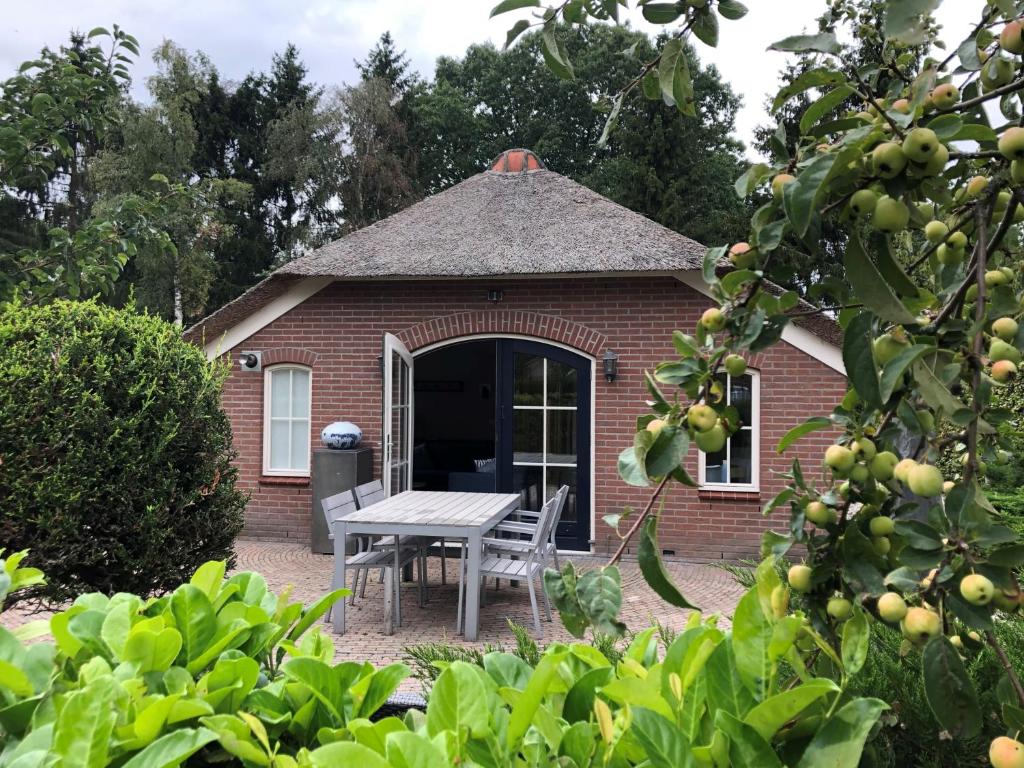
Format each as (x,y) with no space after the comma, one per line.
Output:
(544,431)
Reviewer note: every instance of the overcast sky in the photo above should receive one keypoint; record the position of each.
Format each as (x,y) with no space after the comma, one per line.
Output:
(242,35)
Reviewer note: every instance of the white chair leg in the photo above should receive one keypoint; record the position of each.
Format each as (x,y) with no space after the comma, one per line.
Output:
(462,589)
(421,566)
(554,554)
(355,586)
(444,563)
(483,590)
(544,594)
(533,605)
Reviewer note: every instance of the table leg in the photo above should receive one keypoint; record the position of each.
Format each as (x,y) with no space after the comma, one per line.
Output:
(473,585)
(338,610)
(390,583)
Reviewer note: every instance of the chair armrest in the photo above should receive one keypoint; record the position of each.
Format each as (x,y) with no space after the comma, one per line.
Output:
(513,527)
(510,545)
(525,513)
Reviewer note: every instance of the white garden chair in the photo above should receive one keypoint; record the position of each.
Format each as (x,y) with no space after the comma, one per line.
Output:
(367,558)
(500,558)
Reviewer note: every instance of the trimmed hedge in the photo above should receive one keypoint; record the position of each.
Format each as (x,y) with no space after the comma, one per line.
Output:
(115,453)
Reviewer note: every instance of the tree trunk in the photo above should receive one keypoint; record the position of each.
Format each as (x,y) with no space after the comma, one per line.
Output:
(179,314)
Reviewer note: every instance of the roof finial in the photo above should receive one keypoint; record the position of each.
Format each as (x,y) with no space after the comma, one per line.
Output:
(516,161)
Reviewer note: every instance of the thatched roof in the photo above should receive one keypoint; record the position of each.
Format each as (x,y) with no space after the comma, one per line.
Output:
(495,223)
(518,218)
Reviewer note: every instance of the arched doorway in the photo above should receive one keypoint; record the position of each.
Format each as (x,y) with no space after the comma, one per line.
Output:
(506,414)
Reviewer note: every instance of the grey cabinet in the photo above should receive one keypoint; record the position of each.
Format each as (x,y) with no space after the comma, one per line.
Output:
(334,472)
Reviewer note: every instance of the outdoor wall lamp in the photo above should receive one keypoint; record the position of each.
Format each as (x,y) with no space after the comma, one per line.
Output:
(610,365)
(251,361)
(494,295)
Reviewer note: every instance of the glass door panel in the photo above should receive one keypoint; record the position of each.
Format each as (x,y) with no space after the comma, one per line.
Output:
(544,445)
(397,444)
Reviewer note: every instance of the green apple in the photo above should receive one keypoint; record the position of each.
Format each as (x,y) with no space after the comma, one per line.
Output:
(935,231)
(889,160)
(881,526)
(920,625)
(711,441)
(839,608)
(819,514)
(1010,38)
(735,365)
(902,469)
(742,256)
(1005,328)
(713,319)
(779,184)
(1004,371)
(864,448)
(892,607)
(799,578)
(840,459)
(859,474)
(701,417)
(1001,350)
(886,347)
(863,201)
(654,426)
(1005,752)
(882,465)
(891,214)
(881,545)
(925,480)
(920,144)
(977,589)
(945,96)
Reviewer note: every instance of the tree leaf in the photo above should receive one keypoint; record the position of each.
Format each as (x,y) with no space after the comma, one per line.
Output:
(513,5)
(812,78)
(774,712)
(935,393)
(661,13)
(949,690)
(554,54)
(667,451)
(751,179)
(732,9)
(746,745)
(819,108)
(705,27)
(905,20)
(859,359)
(667,69)
(515,31)
(800,196)
(870,287)
(856,634)
(653,569)
(892,373)
(600,594)
(946,126)
(840,742)
(823,43)
(813,424)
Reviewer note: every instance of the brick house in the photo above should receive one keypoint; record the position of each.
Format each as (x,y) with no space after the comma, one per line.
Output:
(469,336)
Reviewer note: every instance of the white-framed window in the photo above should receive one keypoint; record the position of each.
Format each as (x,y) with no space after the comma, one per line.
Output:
(286,416)
(737,466)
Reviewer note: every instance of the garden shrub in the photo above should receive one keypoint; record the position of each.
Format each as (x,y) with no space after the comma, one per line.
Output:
(115,453)
(223,672)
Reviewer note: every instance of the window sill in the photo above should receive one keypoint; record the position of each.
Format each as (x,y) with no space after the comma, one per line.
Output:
(742,494)
(298,481)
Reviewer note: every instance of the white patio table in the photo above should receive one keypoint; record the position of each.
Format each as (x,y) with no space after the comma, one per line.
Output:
(433,514)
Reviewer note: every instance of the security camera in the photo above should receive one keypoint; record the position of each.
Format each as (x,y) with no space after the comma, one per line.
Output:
(250,361)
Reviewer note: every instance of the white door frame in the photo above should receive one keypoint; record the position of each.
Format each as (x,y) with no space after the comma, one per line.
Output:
(593,399)
(393,346)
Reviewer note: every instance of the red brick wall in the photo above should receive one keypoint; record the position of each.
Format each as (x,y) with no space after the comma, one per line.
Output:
(338,333)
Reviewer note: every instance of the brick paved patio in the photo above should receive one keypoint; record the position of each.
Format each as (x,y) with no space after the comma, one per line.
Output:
(283,564)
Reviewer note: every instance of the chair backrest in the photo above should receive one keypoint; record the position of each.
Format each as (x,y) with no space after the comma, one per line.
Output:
(337,506)
(545,519)
(369,493)
(561,494)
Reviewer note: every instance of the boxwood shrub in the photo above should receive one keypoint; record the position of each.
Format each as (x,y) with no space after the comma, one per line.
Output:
(115,453)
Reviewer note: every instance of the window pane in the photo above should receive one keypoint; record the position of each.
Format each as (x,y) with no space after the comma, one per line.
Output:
(527,436)
(562,437)
(527,481)
(300,444)
(557,477)
(280,387)
(561,384)
(740,464)
(742,398)
(300,394)
(529,380)
(715,470)
(279,442)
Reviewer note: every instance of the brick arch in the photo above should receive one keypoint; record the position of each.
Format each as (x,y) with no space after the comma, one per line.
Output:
(295,355)
(503,321)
